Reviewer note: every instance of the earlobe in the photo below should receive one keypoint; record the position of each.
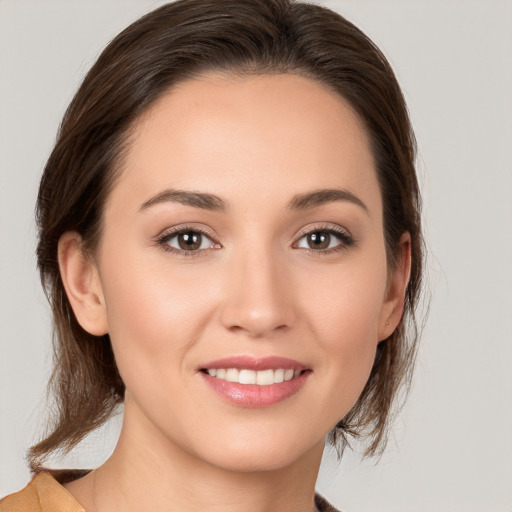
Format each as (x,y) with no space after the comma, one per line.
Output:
(396,289)
(81,280)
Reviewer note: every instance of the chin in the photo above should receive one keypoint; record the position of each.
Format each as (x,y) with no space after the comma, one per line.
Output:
(255,462)
(269,453)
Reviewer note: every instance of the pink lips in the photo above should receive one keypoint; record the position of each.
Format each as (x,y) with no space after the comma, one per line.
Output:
(251,363)
(254,395)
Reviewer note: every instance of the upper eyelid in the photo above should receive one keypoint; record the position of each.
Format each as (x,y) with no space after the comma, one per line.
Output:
(335,228)
(167,234)
(344,236)
(176,230)
(162,240)
(170,232)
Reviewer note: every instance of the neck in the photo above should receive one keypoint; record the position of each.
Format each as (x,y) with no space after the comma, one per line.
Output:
(148,472)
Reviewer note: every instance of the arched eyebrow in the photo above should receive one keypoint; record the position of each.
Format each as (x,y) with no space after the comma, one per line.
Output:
(215,203)
(324,196)
(195,199)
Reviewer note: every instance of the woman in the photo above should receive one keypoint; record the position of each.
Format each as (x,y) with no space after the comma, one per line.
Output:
(230,241)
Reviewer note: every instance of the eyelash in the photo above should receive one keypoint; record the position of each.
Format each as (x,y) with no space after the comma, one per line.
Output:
(346,240)
(163,241)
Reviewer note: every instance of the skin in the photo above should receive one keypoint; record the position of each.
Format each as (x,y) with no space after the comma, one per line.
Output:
(254,288)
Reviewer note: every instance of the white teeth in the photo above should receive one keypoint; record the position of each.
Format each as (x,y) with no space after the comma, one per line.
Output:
(247,377)
(261,378)
(279,375)
(232,375)
(265,377)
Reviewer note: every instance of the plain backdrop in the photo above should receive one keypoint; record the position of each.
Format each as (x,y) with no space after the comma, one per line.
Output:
(451,448)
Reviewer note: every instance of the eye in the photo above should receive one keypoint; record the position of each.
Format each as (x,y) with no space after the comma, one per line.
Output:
(324,240)
(187,241)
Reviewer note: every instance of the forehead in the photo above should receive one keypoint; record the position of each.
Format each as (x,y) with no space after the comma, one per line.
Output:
(220,133)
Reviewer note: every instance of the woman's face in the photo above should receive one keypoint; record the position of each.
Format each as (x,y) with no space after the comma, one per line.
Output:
(244,239)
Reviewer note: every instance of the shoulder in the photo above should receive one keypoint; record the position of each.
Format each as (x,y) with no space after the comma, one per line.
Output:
(42,494)
(45,494)
(25,500)
(322,505)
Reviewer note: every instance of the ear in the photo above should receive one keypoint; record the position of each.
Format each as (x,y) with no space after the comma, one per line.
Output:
(398,279)
(82,283)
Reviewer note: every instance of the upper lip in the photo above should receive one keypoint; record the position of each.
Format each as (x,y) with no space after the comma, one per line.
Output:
(254,363)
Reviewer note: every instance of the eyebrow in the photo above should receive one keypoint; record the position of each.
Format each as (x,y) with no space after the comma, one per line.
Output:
(324,196)
(215,203)
(195,199)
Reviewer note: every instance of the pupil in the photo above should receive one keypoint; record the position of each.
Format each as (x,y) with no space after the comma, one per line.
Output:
(189,241)
(319,240)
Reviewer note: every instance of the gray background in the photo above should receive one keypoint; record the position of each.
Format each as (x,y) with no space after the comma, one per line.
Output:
(451,448)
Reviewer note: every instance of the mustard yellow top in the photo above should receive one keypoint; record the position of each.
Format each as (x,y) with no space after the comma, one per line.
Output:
(45,494)
(42,494)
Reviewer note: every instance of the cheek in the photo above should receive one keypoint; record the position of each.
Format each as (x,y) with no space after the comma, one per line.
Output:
(345,304)
(154,312)
(344,315)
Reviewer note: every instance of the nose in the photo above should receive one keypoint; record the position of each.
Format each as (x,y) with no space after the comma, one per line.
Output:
(259,296)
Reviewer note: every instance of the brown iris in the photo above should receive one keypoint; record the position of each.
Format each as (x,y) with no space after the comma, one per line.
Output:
(189,241)
(319,240)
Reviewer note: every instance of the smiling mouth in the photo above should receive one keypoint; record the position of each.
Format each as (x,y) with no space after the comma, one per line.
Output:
(255,382)
(258,377)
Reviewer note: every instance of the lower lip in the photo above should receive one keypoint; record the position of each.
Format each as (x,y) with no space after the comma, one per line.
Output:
(252,395)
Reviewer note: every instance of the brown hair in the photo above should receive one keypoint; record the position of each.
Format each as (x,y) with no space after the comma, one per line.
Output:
(179,41)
